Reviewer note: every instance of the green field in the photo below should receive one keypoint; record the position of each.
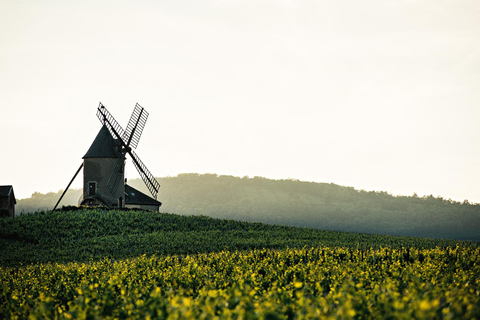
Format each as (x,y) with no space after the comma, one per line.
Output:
(131,264)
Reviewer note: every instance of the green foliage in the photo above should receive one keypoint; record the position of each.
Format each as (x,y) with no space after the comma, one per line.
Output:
(305,204)
(97,264)
(82,235)
(308,283)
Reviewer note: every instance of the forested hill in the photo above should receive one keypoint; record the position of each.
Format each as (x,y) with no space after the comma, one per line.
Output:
(299,203)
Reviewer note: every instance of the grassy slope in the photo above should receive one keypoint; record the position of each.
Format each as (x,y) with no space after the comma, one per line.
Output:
(305,204)
(95,234)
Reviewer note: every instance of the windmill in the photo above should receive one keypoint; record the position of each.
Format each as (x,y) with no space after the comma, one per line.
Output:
(104,164)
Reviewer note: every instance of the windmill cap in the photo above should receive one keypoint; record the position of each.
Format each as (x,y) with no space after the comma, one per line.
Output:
(104,146)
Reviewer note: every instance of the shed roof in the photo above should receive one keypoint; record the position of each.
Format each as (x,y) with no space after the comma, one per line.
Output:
(104,146)
(133,196)
(5,191)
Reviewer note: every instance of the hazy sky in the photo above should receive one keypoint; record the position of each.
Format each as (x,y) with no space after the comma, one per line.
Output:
(378,95)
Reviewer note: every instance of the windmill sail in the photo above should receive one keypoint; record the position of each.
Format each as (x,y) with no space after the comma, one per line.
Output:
(107,119)
(150,181)
(129,137)
(135,126)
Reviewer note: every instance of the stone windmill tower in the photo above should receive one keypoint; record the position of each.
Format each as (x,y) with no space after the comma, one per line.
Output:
(104,165)
(103,156)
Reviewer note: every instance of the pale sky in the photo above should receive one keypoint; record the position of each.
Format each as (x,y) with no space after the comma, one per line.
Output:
(377,95)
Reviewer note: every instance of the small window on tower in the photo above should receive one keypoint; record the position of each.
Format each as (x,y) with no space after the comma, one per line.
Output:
(92,189)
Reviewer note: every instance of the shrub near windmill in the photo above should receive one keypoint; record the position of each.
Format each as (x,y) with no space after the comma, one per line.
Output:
(104,165)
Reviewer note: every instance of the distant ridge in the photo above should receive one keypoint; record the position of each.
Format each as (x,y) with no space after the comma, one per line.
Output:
(297,203)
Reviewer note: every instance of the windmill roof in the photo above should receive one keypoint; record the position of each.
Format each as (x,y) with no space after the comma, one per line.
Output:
(133,196)
(104,146)
(5,192)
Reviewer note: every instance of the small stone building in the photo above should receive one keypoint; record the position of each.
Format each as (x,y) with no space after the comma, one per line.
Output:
(7,201)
